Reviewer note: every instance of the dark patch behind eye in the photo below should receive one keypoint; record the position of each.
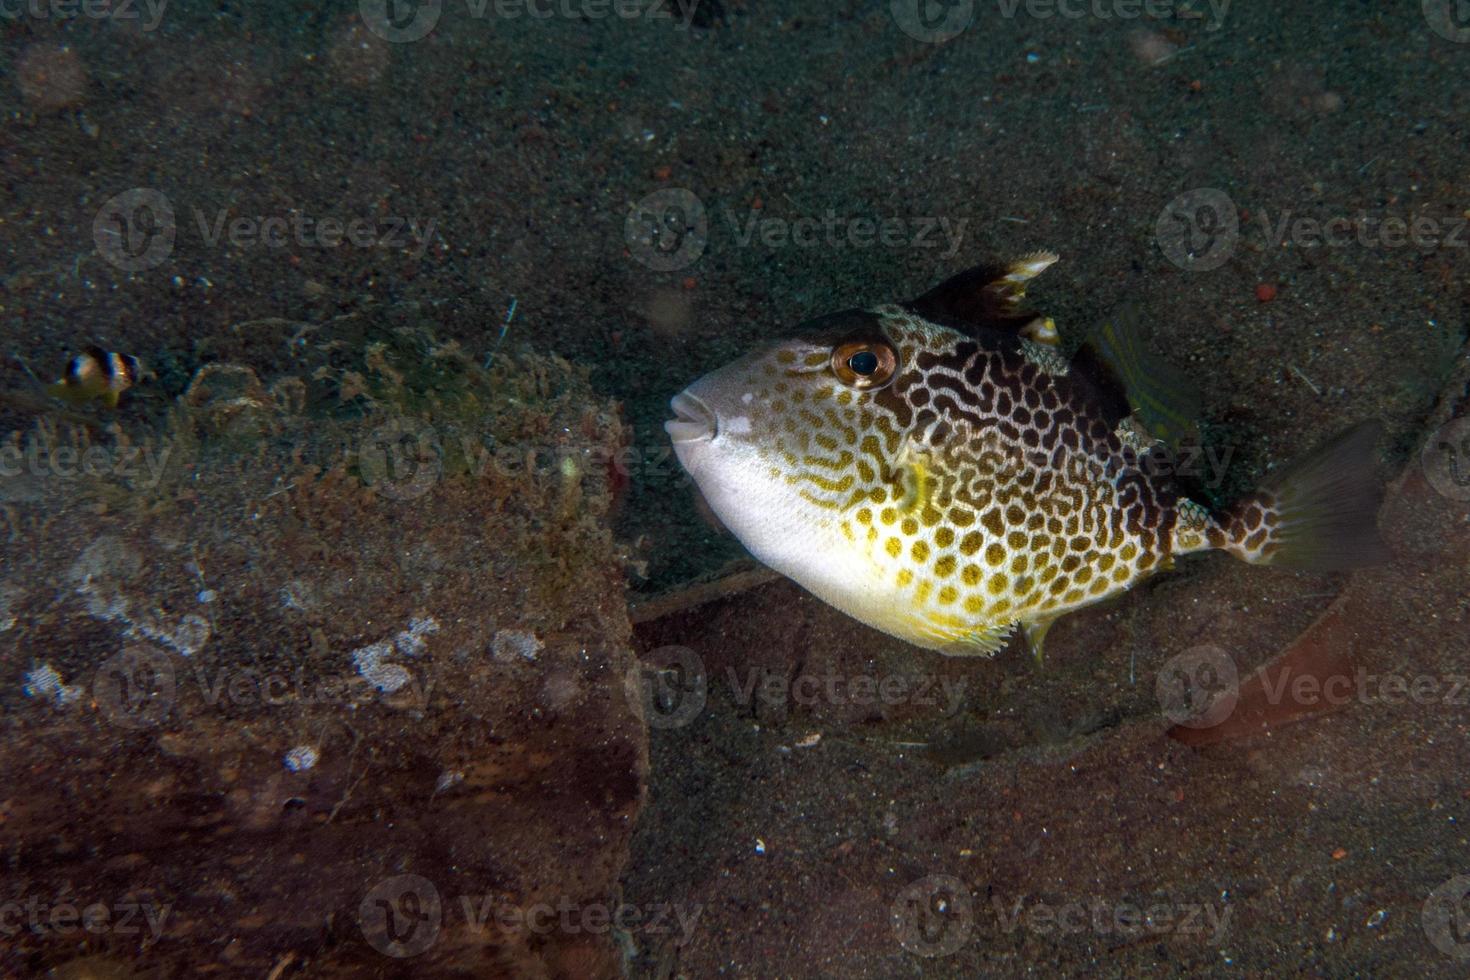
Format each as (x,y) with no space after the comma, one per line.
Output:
(837,328)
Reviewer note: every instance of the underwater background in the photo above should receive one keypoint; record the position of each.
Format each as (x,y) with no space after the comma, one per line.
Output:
(377,632)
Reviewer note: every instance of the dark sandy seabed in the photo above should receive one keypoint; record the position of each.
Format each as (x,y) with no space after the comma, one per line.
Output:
(279,701)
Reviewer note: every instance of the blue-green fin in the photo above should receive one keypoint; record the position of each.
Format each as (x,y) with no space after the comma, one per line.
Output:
(1161,397)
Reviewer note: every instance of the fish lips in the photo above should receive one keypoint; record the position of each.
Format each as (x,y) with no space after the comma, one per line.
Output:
(695,421)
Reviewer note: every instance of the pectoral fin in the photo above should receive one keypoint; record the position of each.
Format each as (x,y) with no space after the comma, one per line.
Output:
(916,478)
(1162,398)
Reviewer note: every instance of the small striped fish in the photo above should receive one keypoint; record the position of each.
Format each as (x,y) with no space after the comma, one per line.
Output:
(96,373)
(940,471)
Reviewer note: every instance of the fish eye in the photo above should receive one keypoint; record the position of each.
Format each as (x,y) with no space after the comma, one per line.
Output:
(864,364)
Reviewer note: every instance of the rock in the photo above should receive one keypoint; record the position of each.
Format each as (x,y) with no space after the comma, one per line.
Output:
(247,731)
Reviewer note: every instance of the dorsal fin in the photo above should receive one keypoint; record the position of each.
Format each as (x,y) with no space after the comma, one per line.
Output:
(987,295)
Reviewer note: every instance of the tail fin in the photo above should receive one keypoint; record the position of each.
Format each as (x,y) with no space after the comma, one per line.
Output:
(1317,513)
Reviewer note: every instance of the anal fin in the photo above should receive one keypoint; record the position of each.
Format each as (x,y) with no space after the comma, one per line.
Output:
(1035,634)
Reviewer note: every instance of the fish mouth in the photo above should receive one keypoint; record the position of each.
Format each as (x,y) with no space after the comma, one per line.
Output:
(695,422)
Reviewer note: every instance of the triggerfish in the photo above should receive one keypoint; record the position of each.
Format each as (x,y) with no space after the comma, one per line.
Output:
(939,469)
